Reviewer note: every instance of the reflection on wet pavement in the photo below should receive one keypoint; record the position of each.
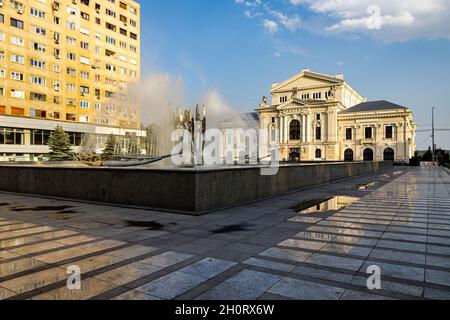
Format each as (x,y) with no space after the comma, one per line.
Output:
(398,220)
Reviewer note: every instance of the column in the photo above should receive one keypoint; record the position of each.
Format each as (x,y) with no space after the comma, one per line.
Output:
(303,128)
(308,127)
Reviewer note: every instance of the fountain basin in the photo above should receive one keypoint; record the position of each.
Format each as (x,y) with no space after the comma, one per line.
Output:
(182,190)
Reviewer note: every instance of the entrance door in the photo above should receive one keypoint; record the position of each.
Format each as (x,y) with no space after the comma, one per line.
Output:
(348,155)
(389,154)
(294,155)
(368,155)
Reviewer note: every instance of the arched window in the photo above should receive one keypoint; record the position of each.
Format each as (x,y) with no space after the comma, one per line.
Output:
(368,155)
(348,155)
(389,154)
(294,130)
(318,154)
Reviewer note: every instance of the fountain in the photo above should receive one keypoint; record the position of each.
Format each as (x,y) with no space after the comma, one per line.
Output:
(195,125)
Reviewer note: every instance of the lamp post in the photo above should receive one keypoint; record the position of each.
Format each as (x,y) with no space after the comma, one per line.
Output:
(433,137)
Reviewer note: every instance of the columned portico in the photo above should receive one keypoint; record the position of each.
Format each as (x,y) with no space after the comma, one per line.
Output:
(319,106)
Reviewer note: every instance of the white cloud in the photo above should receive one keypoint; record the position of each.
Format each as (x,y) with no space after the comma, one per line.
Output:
(396,20)
(271,26)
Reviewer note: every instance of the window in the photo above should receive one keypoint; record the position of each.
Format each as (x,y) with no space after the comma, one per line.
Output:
(110,26)
(84,104)
(133,36)
(17,94)
(110,67)
(71,117)
(283,99)
(84,90)
(318,133)
(38,47)
(348,134)
(38,113)
(110,40)
(39,137)
(294,130)
(368,133)
(16,23)
(38,96)
(37,13)
(71,72)
(37,63)
(38,30)
(85,60)
(70,87)
(38,80)
(84,74)
(389,132)
(2,54)
(318,116)
(2,18)
(17,76)
(318,154)
(71,41)
(110,12)
(17,41)
(84,45)
(17,59)
(71,56)
(71,25)
(12,136)
(2,73)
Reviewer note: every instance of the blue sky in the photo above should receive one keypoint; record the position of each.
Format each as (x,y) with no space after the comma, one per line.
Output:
(235,48)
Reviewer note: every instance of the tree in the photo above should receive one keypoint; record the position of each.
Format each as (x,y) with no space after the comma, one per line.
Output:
(60,146)
(110,148)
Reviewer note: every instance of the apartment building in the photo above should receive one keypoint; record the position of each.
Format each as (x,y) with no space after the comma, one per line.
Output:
(67,62)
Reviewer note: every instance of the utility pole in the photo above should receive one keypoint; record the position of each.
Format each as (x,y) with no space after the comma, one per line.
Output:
(433,137)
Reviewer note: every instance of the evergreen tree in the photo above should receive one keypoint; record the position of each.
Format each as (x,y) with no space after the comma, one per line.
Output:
(60,146)
(110,148)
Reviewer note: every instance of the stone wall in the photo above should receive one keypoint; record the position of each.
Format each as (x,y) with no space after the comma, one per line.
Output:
(185,190)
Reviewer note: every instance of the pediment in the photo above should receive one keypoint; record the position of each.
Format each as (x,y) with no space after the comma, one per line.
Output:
(292,103)
(306,79)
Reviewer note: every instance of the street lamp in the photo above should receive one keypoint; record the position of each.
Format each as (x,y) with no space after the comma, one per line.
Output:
(433,137)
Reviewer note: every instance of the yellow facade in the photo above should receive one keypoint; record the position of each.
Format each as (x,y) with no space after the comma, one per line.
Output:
(70,60)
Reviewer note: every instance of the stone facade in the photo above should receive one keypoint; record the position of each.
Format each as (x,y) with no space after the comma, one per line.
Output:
(322,118)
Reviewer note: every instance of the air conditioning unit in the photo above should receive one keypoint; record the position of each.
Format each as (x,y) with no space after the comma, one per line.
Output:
(19,10)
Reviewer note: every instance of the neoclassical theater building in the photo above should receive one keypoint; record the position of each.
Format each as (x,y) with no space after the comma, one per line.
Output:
(322,118)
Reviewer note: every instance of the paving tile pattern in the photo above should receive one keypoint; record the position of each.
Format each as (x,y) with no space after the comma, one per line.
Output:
(262,250)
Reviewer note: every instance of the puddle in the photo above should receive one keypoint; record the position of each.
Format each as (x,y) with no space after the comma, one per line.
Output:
(4,204)
(150,225)
(324,205)
(40,208)
(232,228)
(365,187)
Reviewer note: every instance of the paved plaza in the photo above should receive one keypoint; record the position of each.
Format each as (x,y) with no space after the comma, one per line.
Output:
(399,220)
